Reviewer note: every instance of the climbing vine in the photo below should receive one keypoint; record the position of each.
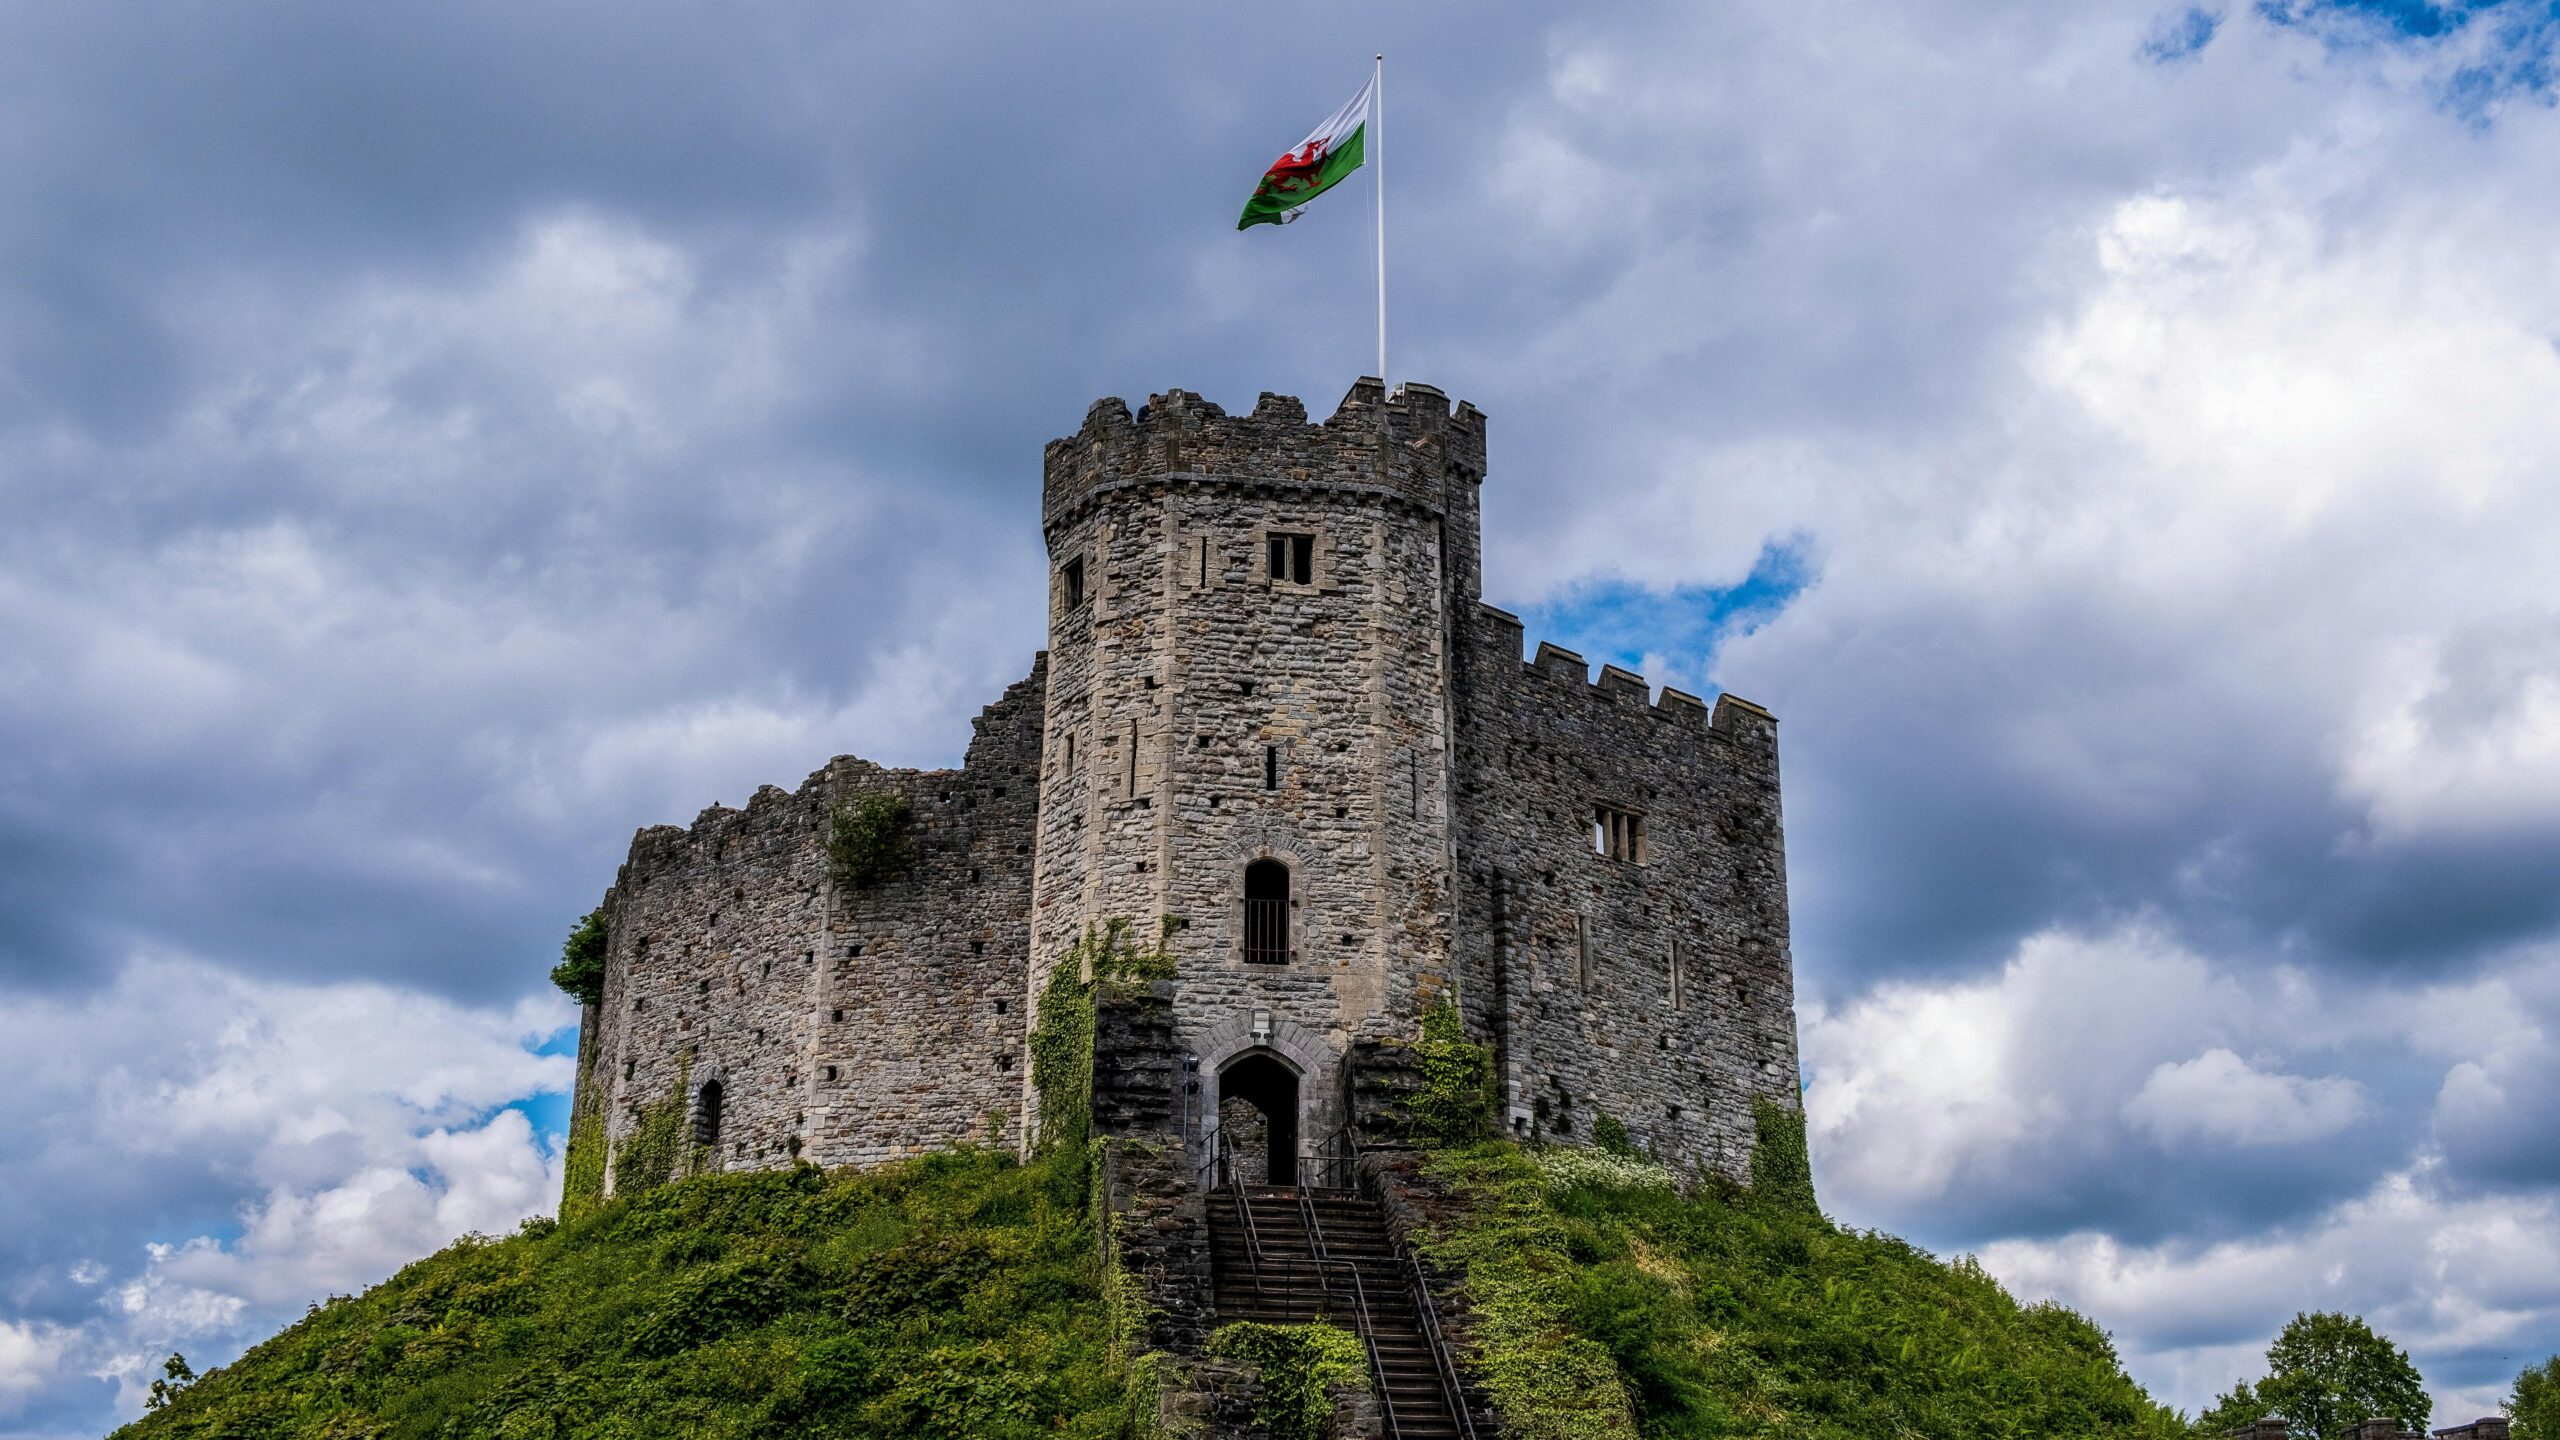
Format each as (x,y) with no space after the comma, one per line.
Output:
(1610,1134)
(648,1156)
(871,841)
(583,1189)
(1062,1027)
(1454,1104)
(1781,1170)
(1302,1365)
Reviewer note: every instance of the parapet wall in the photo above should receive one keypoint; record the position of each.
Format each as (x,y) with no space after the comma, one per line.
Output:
(1411,446)
(842,1027)
(1653,986)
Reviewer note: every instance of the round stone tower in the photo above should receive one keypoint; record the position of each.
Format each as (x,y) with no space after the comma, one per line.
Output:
(1248,725)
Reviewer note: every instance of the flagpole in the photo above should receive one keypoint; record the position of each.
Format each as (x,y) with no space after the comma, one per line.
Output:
(1378,117)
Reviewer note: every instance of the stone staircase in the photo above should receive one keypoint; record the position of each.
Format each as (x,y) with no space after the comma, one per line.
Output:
(1311,1242)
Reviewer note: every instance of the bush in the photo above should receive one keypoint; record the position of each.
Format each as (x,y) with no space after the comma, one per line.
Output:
(1454,1103)
(1301,1367)
(871,842)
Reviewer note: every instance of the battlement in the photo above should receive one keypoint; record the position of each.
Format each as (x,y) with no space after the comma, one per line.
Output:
(1411,445)
(1733,717)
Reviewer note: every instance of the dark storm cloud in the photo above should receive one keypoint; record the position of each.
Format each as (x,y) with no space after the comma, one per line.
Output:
(435,443)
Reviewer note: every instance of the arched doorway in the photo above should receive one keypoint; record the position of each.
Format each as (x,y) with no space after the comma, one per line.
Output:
(1258,1113)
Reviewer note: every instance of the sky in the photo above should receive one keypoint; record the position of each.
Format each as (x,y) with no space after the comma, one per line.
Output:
(2118,439)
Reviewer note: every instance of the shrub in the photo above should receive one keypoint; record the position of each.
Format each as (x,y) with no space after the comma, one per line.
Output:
(872,841)
(1301,1367)
(1781,1168)
(1454,1103)
(1610,1134)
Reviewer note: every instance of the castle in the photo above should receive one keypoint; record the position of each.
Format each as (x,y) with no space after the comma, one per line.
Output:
(1274,706)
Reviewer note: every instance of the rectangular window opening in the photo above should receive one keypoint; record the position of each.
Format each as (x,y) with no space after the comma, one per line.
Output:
(1071,584)
(1270,767)
(1293,558)
(1617,834)
(1582,949)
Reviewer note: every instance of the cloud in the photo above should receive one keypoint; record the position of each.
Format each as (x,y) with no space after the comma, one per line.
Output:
(2220,1099)
(487,433)
(247,1147)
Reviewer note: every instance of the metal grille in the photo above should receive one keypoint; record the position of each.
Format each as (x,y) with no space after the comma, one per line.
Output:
(1266,932)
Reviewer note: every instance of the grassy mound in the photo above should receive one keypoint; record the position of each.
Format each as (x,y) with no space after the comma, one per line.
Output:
(953,1296)
(1612,1305)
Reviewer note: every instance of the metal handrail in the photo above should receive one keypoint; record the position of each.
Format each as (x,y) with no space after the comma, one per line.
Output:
(1444,1360)
(1244,1208)
(1441,1360)
(1359,1302)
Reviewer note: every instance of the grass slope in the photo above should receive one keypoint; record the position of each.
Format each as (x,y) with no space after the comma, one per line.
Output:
(952,1296)
(960,1295)
(1613,1305)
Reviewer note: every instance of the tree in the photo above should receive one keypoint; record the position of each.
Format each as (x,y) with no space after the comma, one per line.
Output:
(2534,1405)
(175,1375)
(2236,1407)
(581,968)
(2325,1372)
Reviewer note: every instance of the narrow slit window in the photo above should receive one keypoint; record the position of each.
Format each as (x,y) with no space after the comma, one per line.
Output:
(1071,584)
(1270,767)
(1679,995)
(1581,949)
(706,1117)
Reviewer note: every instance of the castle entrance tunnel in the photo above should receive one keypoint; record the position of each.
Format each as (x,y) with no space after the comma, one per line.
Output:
(1258,1112)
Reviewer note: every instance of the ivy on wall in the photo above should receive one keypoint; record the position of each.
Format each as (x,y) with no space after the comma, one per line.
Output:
(1781,1169)
(1062,1029)
(1454,1103)
(1302,1365)
(872,841)
(648,1156)
(583,1189)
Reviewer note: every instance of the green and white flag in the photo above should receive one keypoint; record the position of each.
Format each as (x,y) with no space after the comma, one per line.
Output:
(1312,166)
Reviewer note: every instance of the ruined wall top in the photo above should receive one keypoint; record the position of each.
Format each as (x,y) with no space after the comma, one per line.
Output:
(1411,446)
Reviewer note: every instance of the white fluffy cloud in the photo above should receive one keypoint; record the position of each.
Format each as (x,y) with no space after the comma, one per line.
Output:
(345,1129)
(2218,1098)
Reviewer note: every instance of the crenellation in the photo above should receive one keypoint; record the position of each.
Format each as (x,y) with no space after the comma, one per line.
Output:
(1274,708)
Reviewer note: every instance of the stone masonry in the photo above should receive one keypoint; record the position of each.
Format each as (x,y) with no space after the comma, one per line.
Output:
(1268,653)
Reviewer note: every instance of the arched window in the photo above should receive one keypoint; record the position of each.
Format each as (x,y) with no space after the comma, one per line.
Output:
(1266,913)
(706,1117)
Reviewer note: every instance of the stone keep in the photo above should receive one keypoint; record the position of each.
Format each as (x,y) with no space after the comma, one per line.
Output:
(1275,707)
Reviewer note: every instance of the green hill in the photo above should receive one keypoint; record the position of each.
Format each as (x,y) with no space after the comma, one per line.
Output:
(954,1295)
(961,1295)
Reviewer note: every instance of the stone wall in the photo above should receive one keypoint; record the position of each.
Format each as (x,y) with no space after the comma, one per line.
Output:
(1368,723)
(843,1027)
(1655,987)
(1203,715)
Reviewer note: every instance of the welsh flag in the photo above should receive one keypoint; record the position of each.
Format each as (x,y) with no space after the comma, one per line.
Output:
(1312,166)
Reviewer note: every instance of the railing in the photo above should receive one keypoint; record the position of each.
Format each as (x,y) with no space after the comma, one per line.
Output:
(1359,1305)
(1444,1362)
(1266,932)
(1335,1159)
(1244,1213)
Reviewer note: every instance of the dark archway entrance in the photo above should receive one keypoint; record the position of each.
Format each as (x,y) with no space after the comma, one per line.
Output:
(1258,1109)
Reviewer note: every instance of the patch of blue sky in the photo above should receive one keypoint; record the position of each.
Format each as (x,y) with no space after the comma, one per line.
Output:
(1670,636)
(2511,44)
(548,1114)
(563,1041)
(2181,36)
